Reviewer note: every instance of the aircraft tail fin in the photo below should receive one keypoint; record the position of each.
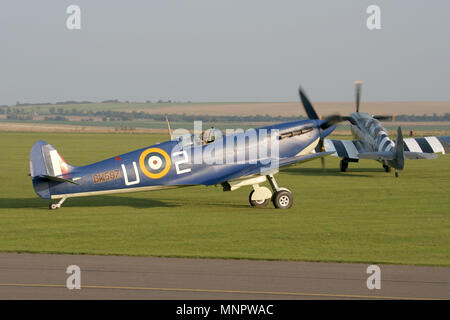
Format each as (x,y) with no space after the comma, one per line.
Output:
(399,145)
(399,158)
(45,160)
(47,165)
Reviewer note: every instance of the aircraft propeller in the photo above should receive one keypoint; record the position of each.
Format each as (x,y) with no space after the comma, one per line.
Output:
(312,114)
(358,94)
(358,85)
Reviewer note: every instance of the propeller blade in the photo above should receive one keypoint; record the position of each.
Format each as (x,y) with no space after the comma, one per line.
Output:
(358,94)
(383,117)
(309,109)
(331,120)
(350,119)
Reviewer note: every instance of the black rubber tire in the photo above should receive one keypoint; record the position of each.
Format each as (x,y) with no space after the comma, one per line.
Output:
(283,199)
(257,204)
(343,165)
(386,168)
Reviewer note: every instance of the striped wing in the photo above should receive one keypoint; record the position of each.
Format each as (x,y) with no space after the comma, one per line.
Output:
(428,144)
(348,149)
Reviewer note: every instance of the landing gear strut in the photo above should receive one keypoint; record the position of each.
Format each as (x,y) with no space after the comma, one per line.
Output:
(343,165)
(54,206)
(282,198)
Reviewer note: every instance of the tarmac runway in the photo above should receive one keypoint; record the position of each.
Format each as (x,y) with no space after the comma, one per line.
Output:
(43,276)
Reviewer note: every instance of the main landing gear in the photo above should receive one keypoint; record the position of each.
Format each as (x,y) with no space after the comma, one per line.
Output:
(343,165)
(257,203)
(282,198)
(54,206)
(386,168)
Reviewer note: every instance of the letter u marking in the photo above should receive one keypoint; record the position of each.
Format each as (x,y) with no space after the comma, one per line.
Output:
(125,175)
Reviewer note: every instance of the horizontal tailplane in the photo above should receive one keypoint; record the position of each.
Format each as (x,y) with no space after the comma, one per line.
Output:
(419,155)
(385,155)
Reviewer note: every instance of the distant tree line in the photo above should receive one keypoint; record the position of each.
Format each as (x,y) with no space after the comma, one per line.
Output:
(424,117)
(109,115)
(18,104)
(15,116)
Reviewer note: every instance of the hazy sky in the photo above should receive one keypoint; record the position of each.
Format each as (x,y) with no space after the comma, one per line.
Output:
(223,50)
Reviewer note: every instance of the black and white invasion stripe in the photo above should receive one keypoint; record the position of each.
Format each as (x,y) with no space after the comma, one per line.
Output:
(428,144)
(383,141)
(348,149)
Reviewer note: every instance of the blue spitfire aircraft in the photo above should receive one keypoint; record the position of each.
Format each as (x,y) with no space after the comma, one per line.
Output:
(173,164)
(371,141)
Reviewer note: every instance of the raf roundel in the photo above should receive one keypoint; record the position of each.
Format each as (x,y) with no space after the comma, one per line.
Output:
(154,163)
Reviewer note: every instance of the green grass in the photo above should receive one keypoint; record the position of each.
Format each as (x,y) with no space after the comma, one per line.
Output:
(364,215)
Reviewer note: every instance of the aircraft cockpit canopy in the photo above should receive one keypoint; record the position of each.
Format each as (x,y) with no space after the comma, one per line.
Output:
(189,140)
(193,140)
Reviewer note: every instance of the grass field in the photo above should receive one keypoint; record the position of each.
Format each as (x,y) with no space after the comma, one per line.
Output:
(364,215)
(441,128)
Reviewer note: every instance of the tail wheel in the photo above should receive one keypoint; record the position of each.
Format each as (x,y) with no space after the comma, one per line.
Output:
(257,203)
(343,165)
(53,206)
(283,199)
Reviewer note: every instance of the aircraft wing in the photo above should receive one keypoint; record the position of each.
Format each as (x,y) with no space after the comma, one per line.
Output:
(285,162)
(352,149)
(428,144)
(349,149)
(260,169)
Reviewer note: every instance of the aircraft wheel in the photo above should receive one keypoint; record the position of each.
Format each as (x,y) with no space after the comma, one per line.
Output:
(283,199)
(53,206)
(343,165)
(386,168)
(257,203)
